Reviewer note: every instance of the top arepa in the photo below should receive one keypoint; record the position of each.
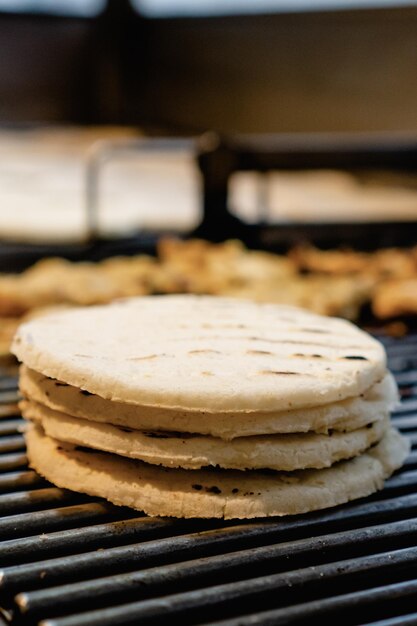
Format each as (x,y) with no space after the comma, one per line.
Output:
(202,353)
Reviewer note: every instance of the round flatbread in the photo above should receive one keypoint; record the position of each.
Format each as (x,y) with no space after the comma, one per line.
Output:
(203,353)
(278,452)
(212,493)
(345,415)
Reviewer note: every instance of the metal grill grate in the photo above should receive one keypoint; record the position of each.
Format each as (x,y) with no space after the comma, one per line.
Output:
(70,560)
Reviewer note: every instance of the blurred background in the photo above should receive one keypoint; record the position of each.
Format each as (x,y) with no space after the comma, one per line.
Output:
(82,82)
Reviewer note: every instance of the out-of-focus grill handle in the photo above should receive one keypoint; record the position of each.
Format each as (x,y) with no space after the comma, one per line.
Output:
(220,157)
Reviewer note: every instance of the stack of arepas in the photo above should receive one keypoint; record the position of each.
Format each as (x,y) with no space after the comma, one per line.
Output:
(193,406)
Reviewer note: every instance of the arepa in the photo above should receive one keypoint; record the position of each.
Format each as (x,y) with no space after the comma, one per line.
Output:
(280,452)
(203,353)
(208,407)
(344,416)
(218,493)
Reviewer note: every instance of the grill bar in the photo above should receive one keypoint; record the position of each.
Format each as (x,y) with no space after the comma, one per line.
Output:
(28,524)
(356,562)
(259,590)
(300,552)
(76,592)
(354,516)
(8,383)
(9,427)
(406,378)
(9,396)
(19,480)
(411,462)
(375,602)
(413,439)
(31,500)
(407,406)
(406,423)
(187,546)
(12,461)
(399,484)
(12,444)
(88,538)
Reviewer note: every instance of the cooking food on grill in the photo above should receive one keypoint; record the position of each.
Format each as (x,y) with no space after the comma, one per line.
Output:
(231,270)
(190,360)
(396,298)
(381,264)
(55,281)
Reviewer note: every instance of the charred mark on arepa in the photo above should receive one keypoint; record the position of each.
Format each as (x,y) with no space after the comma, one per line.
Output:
(279,373)
(159,435)
(147,357)
(318,331)
(59,384)
(84,392)
(228,325)
(300,355)
(212,489)
(263,352)
(355,357)
(295,342)
(204,351)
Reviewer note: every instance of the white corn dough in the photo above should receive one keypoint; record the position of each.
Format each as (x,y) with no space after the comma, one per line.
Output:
(217,493)
(196,406)
(343,416)
(279,452)
(203,353)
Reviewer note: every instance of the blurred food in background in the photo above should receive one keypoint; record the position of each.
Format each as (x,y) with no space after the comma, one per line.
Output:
(336,282)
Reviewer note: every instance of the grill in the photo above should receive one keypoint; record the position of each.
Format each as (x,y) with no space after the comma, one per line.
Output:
(70,560)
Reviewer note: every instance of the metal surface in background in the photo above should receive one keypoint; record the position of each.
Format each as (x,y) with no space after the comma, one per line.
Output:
(104,151)
(221,157)
(218,159)
(67,559)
